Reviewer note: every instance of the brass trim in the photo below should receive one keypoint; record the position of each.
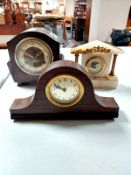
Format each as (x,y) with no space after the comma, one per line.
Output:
(95,49)
(98,73)
(52,100)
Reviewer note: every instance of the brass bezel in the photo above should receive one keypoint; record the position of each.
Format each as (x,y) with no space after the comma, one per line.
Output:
(103,68)
(52,100)
(25,40)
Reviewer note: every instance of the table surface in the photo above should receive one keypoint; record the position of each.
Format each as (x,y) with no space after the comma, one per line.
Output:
(68,147)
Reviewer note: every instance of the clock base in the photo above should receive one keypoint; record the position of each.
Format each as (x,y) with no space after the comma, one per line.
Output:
(67,116)
(110,82)
(26,109)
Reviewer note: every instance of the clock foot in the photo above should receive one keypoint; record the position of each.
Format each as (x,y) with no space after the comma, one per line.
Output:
(20,84)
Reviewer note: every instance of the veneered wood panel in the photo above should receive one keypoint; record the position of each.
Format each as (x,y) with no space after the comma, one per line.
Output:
(11,29)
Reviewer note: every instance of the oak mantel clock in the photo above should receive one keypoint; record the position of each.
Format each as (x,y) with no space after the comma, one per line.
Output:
(30,52)
(64,91)
(99,60)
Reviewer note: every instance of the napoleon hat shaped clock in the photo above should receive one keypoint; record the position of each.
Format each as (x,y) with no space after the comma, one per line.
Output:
(64,91)
(30,52)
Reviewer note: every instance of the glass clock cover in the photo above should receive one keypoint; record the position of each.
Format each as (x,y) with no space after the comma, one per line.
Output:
(64,90)
(32,55)
(95,65)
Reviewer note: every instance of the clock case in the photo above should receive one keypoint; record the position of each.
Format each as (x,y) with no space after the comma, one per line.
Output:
(107,56)
(90,106)
(48,37)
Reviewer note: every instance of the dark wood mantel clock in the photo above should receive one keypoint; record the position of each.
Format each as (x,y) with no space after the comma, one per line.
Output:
(30,52)
(64,91)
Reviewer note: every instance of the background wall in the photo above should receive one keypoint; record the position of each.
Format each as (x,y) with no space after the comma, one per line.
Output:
(105,15)
(69,5)
(108,14)
(95,16)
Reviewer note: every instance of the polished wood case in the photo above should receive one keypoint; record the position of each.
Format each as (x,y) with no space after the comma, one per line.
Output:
(48,37)
(90,106)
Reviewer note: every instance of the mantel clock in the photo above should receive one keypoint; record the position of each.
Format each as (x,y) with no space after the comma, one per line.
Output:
(64,91)
(30,52)
(99,60)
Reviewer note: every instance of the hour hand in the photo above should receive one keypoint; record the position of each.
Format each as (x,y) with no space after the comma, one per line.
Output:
(59,87)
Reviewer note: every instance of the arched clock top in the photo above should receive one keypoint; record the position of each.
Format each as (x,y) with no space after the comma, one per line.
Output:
(43,34)
(69,68)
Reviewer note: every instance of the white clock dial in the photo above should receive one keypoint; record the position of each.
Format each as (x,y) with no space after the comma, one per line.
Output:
(65,90)
(32,55)
(95,65)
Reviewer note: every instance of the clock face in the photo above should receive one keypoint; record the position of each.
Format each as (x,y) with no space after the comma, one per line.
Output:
(64,90)
(95,65)
(32,55)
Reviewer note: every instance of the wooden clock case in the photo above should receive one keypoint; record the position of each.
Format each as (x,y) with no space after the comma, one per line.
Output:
(48,37)
(90,106)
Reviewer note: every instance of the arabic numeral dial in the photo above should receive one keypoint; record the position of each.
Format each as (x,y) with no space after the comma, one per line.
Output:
(65,90)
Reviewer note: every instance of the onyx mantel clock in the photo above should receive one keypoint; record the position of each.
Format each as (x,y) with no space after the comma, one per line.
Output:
(64,91)
(30,52)
(99,60)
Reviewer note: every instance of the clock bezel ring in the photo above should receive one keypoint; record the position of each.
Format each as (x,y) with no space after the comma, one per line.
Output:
(18,47)
(102,69)
(57,103)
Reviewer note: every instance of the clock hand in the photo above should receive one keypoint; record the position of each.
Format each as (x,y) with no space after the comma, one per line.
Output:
(94,64)
(29,55)
(59,87)
(64,89)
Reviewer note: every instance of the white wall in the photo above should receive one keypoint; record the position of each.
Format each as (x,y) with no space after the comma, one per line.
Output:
(108,14)
(69,5)
(95,15)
